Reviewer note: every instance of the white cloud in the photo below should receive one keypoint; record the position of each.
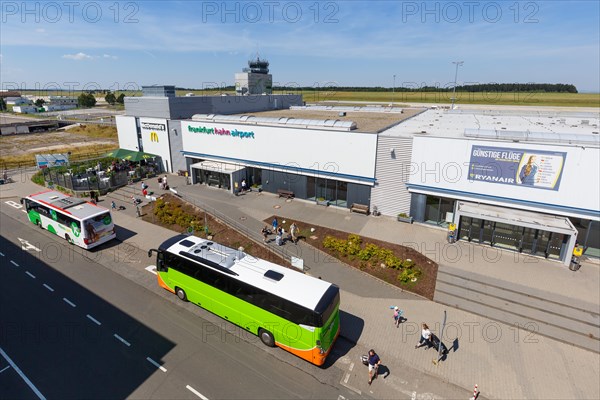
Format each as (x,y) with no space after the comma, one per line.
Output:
(109,56)
(78,57)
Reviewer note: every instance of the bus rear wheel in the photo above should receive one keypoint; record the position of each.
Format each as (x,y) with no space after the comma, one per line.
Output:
(181,294)
(39,223)
(266,337)
(68,239)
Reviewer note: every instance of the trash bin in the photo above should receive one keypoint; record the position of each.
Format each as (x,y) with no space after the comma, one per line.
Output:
(452,233)
(575,265)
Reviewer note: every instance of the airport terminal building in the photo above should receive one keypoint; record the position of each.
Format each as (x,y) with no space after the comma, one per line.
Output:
(524,181)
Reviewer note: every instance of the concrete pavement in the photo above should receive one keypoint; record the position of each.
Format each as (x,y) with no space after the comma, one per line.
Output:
(505,361)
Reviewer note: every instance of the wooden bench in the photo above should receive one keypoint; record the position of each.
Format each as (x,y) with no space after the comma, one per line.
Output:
(360,208)
(288,194)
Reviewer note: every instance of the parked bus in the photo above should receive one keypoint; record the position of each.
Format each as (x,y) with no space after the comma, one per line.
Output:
(283,307)
(80,222)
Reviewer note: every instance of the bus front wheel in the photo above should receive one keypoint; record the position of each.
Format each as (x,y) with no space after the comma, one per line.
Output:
(181,294)
(266,337)
(68,238)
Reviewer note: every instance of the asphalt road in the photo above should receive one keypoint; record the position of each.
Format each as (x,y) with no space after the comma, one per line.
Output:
(71,328)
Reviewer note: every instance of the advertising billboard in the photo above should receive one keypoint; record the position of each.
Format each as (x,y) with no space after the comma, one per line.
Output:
(530,168)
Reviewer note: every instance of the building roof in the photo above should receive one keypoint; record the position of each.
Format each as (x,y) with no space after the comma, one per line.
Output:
(556,127)
(368,119)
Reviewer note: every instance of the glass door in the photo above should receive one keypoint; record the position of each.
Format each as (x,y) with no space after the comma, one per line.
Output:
(432,210)
(507,236)
(342,194)
(555,245)
(542,242)
(464,228)
(487,234)
(528,240)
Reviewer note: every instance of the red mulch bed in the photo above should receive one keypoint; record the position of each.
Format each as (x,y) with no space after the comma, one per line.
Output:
(425,284)
(221,232)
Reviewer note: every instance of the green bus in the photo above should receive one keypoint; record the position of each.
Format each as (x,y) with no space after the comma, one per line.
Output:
(285,308)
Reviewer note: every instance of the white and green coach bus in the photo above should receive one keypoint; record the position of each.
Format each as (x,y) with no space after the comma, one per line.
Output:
(285,308)
(78,221)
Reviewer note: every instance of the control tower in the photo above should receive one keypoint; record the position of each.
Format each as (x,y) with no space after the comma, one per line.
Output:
(255,79)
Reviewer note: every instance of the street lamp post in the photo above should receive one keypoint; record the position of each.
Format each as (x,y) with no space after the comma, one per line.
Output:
(458,64)
(393,91)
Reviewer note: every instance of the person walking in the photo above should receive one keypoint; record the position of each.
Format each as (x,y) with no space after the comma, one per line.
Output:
(265,233)
(425,336)
(294,232)
(244,185)
(274,224)
(165,184)
(397,316)
(374,362)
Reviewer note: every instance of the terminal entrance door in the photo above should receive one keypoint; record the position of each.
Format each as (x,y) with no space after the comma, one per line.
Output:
(513,237)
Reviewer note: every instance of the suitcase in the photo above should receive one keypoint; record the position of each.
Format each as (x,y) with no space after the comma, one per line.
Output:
(435,343)
(365,360)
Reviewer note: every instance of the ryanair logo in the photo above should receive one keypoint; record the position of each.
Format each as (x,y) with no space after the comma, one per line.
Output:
(154,137)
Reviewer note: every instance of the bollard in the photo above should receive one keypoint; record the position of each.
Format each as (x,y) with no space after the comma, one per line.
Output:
(475,393)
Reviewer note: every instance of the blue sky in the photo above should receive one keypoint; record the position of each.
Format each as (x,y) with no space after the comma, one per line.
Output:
(347,43)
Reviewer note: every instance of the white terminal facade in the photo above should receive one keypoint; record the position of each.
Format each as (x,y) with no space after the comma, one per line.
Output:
(523,181)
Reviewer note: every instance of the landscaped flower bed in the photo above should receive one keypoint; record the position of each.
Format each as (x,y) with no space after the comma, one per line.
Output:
(393,263)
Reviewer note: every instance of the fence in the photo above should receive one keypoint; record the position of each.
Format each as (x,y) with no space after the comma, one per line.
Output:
(253,234)
(100,182)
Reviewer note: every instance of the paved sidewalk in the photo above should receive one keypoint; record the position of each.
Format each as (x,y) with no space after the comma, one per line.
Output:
(505,362)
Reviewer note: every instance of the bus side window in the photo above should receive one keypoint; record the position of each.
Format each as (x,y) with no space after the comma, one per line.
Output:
(160,262)
(42,210)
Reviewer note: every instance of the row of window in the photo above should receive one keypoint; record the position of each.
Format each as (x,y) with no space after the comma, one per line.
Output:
(51,213)
(257,297)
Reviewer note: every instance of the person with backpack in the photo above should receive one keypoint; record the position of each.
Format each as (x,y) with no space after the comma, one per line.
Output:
(374,362)
(397,316)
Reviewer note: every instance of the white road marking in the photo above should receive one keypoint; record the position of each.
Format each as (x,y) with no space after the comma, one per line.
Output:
(14,263)
(125,342)
(151,268)
(22,375)
(346,378)
(157,365)
(69,302)
(24,211)
(94,320)
(14,204)
(48,287)
(25,245)
(351,367)
(197,393)
(30,274)
(5,368)
(1,254)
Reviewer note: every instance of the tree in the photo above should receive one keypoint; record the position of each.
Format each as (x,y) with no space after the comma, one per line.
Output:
(86,100)
(110,98)
(2,104)
(39,102)
(121,98)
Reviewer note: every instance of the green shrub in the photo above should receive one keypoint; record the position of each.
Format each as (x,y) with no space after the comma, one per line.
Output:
(353,245)
(367,253)
(38,178)
(407,275)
